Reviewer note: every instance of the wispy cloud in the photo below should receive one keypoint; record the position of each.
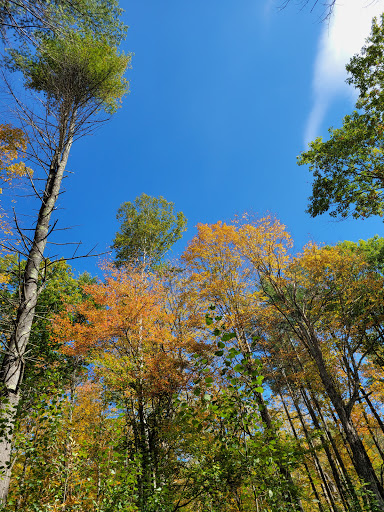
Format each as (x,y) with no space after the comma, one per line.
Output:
(340,39)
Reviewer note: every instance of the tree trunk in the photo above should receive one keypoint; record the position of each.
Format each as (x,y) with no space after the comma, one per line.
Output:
(361,461)
(313,486)
(312,399)
(348,482)
(293,497)
(328,494)
(12,368)
(332,463)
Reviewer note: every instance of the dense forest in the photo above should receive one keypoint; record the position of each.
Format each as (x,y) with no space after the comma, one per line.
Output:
(243,375)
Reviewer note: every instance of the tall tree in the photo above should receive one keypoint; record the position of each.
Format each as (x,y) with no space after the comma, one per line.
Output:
(129,336)
(325,299)
(318,297)
(222,276)
(77,75)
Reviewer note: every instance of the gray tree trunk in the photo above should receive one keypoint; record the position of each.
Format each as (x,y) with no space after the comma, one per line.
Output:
(361,460)
(12,368)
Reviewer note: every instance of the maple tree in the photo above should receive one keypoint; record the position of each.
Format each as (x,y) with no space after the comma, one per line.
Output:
(325,298)
(128,334)
(222,277)
(162,412)
(318,299)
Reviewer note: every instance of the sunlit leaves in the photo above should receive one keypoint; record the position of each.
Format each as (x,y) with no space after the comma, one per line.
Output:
(349,168)
(149,228)
(13,144)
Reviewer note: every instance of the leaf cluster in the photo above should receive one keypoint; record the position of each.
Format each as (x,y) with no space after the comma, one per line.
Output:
(348,168)
(74,71)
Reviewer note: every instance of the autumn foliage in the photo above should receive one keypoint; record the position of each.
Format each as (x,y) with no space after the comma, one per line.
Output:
(243,376)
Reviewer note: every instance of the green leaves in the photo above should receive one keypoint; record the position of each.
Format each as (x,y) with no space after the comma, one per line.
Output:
(76,70)
(30,19)
(228,336)
(149,228)
(349,167)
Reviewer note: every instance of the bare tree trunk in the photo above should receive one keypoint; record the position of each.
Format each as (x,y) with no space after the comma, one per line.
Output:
(346,477)
(332,463)
(374,412)
(347,483)
(361,460)
(328,494)
(12,368)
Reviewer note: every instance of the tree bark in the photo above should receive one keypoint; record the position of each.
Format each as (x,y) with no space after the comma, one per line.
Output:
(361,460)
(293,497)
(317,496)
(12,368)
(332,463)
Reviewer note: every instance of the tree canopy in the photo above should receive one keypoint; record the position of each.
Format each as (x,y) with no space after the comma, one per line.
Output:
(349,167)
(149,228)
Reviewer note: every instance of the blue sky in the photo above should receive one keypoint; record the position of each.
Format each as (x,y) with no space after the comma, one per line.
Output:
(224,95)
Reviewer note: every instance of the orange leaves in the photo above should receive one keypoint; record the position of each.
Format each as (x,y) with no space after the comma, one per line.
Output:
(125,306)
(124,328)
(13,144)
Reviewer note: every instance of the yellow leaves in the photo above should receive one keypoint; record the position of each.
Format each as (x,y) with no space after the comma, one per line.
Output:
(266,244)
(226,262)
(13,145)
(338,284)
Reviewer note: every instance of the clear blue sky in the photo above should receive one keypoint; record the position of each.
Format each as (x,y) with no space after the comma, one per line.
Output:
(221,94)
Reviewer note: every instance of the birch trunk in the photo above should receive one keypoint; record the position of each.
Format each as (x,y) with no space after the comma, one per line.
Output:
(12,368)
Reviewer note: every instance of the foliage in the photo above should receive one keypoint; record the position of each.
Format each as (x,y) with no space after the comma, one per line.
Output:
(349,167)
(13,144)
(26,17)
(75,70)
(149,227)
(139,400)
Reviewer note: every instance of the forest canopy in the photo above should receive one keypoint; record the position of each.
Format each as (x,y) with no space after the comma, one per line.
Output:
(239,373)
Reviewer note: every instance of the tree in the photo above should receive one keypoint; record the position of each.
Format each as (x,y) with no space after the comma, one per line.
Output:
(222,276)
(13,145)
(322,296)
(49,375)
(349,167)
(77,76)
(22,18)
(149,228)
(319,308)
(128,334)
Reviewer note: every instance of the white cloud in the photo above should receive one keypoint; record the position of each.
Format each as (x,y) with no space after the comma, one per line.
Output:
(340,39)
